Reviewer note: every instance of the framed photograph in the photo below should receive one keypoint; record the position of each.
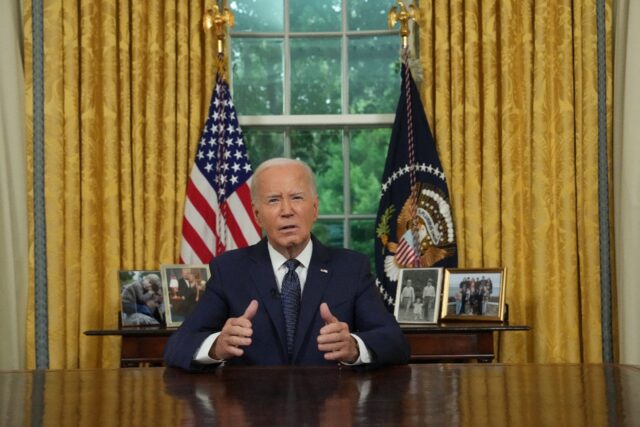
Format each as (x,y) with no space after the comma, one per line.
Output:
(182,287)
(418,295)
(474,294)
(141,300)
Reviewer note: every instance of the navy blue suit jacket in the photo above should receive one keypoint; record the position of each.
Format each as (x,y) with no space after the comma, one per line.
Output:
(339,277)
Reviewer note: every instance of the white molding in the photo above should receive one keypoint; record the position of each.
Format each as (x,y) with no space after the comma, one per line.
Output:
(317,120)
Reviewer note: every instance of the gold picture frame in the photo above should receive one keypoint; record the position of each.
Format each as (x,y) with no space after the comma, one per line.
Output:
(474,294)
(182,287)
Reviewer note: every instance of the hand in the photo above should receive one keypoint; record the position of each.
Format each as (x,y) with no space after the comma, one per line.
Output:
(335,340)
(236,333)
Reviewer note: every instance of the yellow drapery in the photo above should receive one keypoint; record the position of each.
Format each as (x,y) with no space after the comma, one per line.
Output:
(510,89)
(511,92)
(126,89)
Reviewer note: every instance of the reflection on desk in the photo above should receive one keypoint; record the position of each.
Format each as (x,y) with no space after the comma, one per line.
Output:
(413,395)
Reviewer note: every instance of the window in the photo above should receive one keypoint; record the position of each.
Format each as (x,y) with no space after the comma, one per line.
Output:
(319,80)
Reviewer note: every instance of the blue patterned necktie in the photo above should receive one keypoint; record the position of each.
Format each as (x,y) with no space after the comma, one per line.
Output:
(291,301)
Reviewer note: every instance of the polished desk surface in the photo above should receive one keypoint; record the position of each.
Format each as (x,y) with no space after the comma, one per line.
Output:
(412,395)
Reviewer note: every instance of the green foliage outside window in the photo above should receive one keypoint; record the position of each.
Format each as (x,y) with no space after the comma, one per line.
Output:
(323,65)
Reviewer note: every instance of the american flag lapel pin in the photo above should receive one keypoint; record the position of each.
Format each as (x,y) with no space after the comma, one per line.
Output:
(324,270)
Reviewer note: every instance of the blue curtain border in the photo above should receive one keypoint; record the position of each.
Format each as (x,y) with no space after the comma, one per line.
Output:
(603,188)
(40,226)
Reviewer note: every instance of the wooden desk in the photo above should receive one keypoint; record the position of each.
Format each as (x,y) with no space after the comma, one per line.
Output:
(415,395)
(470,341)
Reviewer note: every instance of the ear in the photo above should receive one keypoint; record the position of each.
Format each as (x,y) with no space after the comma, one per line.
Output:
(316,207)
(256,214)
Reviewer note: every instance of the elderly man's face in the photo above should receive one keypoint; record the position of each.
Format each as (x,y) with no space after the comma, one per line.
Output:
(286,208)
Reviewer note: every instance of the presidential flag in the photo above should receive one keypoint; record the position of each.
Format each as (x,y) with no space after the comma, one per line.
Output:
(414,225)
(217,212)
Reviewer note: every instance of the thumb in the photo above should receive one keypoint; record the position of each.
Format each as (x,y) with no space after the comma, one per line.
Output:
(326,314)
(251,310)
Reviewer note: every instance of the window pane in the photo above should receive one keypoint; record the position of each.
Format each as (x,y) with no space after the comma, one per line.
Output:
(315,76)
(257,76)
(366,164)
(258,15)
(263,145)
(315,15)
(322,150)
(374,74)
(329,232)
(362,235)
(368,14)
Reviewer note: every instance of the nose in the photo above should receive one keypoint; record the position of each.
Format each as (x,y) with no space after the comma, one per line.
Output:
(286,208)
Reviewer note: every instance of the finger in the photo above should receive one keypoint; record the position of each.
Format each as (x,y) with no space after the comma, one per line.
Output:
(331,346)
(237,341)
(251,310)
(333,331)
(238,327)
(326,314)
(336,355)
(222,349)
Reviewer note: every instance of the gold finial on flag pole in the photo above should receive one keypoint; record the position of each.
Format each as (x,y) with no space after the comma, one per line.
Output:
(219,21)
(401,13)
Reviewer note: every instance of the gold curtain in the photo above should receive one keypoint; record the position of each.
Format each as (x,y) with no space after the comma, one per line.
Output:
(126,89)
(511,92)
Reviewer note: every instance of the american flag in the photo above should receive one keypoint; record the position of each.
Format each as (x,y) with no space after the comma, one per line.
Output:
(217,212)
(406,253)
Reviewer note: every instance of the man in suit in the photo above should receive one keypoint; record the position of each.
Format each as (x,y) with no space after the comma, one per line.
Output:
(245,316)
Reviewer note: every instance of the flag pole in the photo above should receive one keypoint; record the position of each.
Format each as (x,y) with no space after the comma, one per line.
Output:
(403,14)
(399,12)
(218,20)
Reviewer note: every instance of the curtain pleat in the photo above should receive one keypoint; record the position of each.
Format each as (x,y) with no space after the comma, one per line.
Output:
(512,97)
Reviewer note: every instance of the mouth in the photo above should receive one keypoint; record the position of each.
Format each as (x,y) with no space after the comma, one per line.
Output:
(287,228)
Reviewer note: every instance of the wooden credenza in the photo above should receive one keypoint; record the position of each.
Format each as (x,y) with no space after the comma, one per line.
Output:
(444,342)
(456,342)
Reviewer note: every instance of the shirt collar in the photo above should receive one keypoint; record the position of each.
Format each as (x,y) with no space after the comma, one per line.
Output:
(277,259)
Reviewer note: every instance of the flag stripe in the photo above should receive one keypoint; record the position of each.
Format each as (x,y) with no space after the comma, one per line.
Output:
(207,233)
(244,194)
(200,205)
(250,230)
(196,244)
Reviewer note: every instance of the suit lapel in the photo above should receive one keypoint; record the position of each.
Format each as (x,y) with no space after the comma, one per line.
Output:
(265,283)
(318,278)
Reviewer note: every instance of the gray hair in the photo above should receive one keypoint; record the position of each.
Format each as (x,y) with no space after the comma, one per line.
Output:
(281,161)
(154,279)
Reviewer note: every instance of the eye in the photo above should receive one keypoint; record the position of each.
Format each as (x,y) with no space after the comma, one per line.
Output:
(272,200)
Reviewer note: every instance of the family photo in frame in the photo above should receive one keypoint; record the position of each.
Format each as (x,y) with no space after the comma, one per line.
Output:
(141,300)
(418,295)
(182,287)
(474,294)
